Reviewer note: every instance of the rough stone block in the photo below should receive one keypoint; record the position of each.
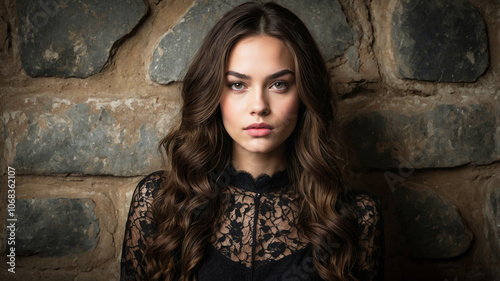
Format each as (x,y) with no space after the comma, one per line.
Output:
(432,225)
(439,40)
(55,226)
(493,218)
(445,136)
(97,136)
(66,38)
(178,46)
(327,23)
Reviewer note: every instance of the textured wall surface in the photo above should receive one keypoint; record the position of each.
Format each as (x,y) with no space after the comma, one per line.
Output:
(179,45)
(426,36)
(65,38)
(89,88)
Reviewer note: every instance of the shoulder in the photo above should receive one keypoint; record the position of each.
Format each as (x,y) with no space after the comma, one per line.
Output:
(367,208)
(142,199)
(365,200)
(149,185)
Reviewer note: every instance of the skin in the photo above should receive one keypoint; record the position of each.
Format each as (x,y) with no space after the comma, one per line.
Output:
(260,89)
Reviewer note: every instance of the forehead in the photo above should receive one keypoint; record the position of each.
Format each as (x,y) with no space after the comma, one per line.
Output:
(260,53)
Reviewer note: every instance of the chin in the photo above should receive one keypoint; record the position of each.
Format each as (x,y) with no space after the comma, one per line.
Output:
(262,149)
(260,146)
(259,150)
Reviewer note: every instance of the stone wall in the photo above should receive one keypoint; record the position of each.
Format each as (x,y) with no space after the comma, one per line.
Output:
(88,88)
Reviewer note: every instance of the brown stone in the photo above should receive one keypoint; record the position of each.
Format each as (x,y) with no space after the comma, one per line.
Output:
(432,225)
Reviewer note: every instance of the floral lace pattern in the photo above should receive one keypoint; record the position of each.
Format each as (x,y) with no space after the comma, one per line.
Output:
(276,234)
(139,228)
(256,231)
(370,238)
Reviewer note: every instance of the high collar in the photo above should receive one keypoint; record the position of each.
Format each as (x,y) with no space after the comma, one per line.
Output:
(262,184)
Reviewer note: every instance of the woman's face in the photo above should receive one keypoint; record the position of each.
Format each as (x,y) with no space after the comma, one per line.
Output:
(259,103)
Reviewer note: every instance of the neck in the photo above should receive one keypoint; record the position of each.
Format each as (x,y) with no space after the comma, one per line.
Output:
(259,163)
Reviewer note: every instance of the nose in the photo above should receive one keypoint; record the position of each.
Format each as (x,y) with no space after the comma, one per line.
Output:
(259,102)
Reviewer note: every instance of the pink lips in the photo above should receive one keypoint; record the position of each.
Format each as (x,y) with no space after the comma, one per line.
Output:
(258,129)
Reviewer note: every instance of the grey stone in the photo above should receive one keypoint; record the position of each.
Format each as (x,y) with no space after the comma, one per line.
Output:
(325,20)
(493,218)
(445,136)
(432,225)
(439,40)
(327,23)
(70,38)
(179,45)
(55,226)
(86,140)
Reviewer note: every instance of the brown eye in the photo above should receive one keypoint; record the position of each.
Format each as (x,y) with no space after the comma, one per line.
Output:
(280,85)
(236,86)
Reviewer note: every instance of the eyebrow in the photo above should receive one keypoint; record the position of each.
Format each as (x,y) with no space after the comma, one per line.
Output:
(272,76)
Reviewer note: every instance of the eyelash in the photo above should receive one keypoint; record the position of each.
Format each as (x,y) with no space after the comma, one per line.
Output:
(285,85)
(232,84)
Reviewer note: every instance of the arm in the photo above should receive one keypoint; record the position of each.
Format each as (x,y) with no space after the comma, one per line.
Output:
(370,264)
(139,228)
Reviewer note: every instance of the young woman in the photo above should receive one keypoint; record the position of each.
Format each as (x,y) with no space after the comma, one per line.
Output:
(255,185)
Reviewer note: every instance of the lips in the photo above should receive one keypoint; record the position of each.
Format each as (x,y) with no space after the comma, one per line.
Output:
(258,129)
(259,126)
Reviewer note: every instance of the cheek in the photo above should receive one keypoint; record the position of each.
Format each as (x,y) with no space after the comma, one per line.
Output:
(294,107)
(224,106)
(291,108)
(289,113)
(228,110)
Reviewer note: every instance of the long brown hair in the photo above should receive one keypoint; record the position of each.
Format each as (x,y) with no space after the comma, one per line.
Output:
(198,149)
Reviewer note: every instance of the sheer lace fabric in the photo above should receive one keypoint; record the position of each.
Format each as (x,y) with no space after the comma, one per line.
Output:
(273,226)
(370,237)
(139,228)
(257,238)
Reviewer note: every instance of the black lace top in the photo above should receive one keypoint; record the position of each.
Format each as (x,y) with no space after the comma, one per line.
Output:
(257,238)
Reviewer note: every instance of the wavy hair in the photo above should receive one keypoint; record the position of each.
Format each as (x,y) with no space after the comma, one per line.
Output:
(198,149)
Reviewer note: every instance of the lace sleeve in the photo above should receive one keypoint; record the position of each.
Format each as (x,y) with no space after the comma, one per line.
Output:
(370,265)
(139,228)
